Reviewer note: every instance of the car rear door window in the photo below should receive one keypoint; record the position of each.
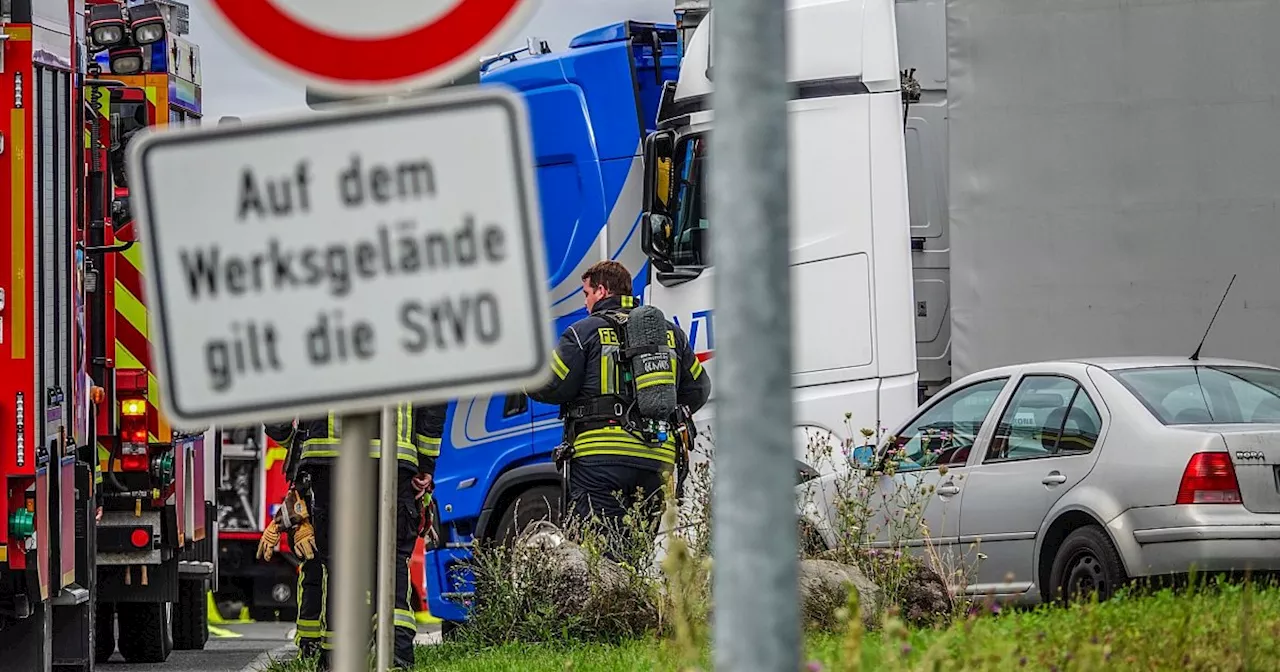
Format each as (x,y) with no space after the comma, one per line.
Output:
(1048,415)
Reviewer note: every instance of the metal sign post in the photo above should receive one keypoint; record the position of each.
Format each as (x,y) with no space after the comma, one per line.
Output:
(757,618)
(389,462)
(353,538)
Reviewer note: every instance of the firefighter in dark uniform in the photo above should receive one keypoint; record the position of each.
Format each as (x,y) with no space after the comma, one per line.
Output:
(604,456)
(316,442)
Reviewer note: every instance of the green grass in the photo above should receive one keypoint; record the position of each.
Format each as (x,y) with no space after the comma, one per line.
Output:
(1222,627)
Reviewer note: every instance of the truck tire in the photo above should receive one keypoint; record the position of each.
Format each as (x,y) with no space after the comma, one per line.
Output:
(104,632)
(145,634)
(191,617)
(537,503)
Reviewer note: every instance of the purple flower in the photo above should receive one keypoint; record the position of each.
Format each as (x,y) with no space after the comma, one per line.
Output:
(906,649)
(995,608)
(814,666)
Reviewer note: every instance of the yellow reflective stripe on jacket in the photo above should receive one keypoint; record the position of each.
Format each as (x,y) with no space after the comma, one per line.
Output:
(558,366)
(428,446)
(695,369)
(405,453)
(328,446)
(617,441)
(606,370)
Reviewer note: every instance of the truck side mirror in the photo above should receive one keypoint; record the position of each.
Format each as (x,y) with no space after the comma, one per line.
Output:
(657,227)
(659,163)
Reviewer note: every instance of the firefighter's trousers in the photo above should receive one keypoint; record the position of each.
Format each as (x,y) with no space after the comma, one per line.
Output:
(604,489)
(314,624)
(315,618)
(408,517)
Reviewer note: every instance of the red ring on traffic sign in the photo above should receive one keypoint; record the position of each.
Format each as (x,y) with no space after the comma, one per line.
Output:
(335,57)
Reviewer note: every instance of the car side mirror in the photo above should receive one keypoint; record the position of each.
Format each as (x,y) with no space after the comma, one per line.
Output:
(864,457)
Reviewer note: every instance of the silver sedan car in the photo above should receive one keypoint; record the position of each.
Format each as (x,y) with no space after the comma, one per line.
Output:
(1074,476)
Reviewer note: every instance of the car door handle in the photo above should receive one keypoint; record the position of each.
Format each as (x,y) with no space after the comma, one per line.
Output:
(949,488)
(1054,478)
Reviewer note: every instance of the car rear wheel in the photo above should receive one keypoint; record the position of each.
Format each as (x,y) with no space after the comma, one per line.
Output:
(1086,563)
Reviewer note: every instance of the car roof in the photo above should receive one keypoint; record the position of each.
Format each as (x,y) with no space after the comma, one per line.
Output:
(1116,364)
(1136,362)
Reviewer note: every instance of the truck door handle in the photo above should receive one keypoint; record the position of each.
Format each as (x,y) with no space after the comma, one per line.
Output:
(1054,478)
(949,488)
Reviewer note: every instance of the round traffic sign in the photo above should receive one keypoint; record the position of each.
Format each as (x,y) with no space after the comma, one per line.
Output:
(373,46)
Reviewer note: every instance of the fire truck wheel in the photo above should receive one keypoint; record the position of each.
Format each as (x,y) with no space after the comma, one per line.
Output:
(191,620)
(104,632)
(145,635)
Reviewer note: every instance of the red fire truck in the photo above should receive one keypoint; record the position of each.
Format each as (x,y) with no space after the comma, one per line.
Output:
(94,552)
(156,557)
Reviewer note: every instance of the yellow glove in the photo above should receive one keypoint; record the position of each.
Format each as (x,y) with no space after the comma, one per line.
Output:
(270,538)
(304,540)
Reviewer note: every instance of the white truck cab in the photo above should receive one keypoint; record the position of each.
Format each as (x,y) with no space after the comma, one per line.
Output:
(852,311)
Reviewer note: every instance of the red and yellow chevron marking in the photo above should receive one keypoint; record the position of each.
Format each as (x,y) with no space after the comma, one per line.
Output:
(132,348)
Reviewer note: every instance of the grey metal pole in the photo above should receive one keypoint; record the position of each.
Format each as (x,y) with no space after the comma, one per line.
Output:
(389,462)
(757,615)
(353,542)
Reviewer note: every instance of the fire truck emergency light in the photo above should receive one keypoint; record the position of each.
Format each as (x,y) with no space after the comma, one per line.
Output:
(126,60)
(147,24)
(106,24)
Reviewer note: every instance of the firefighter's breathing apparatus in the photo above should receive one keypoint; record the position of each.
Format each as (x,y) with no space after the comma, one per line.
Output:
(646,405)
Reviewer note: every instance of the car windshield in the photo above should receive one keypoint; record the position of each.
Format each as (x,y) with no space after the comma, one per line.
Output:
(1189,395)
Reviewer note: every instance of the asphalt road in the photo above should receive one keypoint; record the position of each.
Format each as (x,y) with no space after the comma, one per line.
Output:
(231,648)
(235,647)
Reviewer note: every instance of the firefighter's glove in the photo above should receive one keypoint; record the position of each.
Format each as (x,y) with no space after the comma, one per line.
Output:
(427,522)
(270,539)
(298,519)
(303,540)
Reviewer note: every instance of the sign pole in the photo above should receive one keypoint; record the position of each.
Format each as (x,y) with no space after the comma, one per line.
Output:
(389,463)
(757,619)
(353,538)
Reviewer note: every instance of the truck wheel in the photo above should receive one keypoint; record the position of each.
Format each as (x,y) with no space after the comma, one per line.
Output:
(145,635)
(537,503)
(191,622)
(104,632)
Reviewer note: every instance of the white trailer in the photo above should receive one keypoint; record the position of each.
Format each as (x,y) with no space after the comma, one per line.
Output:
(1092,175)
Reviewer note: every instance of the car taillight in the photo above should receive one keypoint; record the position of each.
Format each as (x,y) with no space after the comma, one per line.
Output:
(140,537)
(1209,479)
(133,435)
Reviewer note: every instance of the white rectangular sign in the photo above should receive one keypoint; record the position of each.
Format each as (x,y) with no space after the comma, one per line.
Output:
(343,261)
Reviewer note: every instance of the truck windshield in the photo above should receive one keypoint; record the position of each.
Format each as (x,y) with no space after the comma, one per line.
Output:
(1188,395)
(688,207)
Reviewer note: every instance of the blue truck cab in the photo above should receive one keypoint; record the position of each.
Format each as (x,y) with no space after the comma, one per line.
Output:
(590,108)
